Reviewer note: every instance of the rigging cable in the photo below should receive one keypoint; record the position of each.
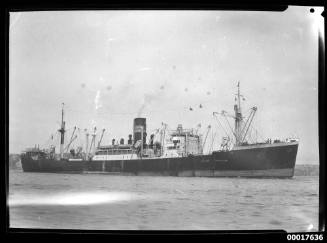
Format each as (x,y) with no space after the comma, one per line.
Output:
(221,126)
(213,139)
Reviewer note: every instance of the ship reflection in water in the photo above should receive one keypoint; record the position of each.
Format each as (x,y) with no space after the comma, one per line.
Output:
(77,198)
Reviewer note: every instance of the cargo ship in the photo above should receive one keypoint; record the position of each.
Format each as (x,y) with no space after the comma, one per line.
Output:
(177,153)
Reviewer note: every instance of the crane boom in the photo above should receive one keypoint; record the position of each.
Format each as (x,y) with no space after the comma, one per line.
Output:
(254,109)
(101,137)
(72,134)
(225,115)
(205,139)
(246,122)
(70,142)
(93,139)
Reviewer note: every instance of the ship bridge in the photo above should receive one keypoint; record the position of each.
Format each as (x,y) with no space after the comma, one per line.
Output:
(184,142)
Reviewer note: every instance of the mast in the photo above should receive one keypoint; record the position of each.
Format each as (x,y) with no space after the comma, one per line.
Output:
(87,143)
(142,142)
(241,129)
(62,132)
(238,116)
(162,137)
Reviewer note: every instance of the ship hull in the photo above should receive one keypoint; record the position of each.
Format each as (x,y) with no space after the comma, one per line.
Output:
(267,160)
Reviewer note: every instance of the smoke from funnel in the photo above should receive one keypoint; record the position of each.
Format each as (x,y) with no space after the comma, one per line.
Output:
(97,102)
(147,99)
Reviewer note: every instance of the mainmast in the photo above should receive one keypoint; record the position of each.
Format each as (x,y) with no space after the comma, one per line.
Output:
(238,116)
(62,132)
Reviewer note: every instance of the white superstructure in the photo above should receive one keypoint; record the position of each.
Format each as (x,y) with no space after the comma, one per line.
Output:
(115,152)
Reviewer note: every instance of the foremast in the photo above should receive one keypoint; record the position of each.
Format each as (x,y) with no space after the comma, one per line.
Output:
(241,128)
(238,116)
(62,133)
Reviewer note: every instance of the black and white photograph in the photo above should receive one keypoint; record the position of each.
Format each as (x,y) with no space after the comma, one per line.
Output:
(170,120)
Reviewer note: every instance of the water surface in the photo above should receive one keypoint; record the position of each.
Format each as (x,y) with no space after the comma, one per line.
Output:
(112,202)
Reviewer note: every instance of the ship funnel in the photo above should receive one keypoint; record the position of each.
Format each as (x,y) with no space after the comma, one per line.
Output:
(139,130)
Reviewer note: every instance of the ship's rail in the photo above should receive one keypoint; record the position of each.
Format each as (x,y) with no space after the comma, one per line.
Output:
(264,145)
(184,132)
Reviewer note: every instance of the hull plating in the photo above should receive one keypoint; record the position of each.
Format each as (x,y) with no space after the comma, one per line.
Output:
(260,161)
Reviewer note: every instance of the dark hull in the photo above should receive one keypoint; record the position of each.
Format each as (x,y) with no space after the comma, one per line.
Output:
(269,160)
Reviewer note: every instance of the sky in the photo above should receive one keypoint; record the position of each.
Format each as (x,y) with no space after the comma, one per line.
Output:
(109,67)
